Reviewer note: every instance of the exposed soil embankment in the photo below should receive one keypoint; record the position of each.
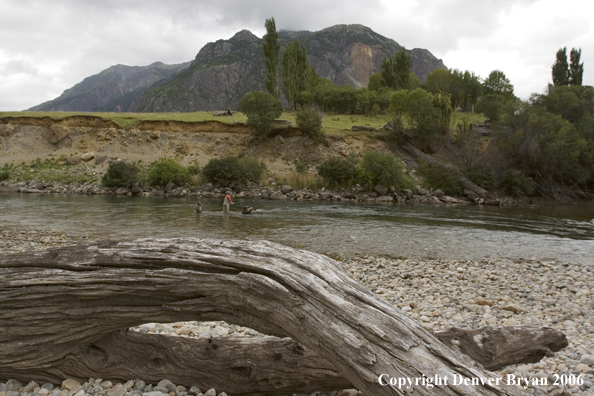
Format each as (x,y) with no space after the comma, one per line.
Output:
(28,138)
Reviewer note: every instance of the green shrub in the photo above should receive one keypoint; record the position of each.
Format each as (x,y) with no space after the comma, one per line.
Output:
(337,170)
(309,120)
(120,174)
(194,169)
(4,175)
(482,177)
(222,171)
(301,167)
(251,169)
(438,176)
(515,183)
(164,171)
(384,169)
(261,109)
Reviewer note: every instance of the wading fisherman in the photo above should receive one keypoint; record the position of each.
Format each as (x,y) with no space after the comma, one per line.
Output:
(198,203)
(226,202)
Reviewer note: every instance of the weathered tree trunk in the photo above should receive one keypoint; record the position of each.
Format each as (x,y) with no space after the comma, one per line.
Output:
(497,347)
(417,154)
(57,307)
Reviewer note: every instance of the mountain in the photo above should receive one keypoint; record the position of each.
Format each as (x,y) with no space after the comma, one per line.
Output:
(117,89)
(225,70)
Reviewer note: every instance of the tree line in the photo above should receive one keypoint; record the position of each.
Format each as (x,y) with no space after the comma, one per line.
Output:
(544,145)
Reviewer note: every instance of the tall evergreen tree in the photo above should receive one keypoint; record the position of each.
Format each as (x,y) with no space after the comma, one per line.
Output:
(271,48)
(576,69)
(298,75)
(403,67)
(396,70)
(560,70)
(389,72)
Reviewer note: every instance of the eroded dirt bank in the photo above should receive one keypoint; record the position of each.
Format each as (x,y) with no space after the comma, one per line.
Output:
(28,138)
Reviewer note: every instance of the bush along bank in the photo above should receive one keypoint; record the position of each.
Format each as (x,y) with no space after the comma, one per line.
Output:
(244,177)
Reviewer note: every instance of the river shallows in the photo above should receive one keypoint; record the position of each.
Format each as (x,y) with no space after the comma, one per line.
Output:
(563,233)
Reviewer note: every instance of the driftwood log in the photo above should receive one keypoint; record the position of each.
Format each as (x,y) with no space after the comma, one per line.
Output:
(414,154)
(497,347)
(62,313)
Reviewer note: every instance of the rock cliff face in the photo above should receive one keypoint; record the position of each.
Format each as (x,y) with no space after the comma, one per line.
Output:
(220,75)
(349,54)
(225,70)
(118,88)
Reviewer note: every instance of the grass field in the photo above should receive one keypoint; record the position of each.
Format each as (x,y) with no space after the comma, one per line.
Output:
(336,125)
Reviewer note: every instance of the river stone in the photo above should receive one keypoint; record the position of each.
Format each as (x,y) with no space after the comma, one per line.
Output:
(100,159)
(385,198)
(513,308)
(139,385)
(128,384)
(325,195)
(30,386)
(163,383)
(154,135)
(58,133)
(277,196)
(448,199)
(407,193)
(87,156)
(48,386)
(74,160)
(381,190)
(286,189)
(438,193)
(211,392)
(470,194)
(170,186)
(122,191)
(349,195)
(12,385)
(70,384)
(587,359)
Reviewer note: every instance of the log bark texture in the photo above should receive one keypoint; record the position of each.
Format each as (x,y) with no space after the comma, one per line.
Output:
(497,347)
(58,306)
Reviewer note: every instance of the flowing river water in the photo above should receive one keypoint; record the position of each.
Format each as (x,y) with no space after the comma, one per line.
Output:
(563,233)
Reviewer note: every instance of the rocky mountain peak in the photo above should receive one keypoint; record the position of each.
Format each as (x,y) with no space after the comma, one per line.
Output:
(245,35)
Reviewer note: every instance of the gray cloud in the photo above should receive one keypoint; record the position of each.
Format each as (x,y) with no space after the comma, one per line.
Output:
(57,44)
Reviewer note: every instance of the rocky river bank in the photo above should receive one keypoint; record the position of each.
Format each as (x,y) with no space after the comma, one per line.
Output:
(439,293)
(273,191)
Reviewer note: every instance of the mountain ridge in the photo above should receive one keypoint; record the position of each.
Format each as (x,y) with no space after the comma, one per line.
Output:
(224,70)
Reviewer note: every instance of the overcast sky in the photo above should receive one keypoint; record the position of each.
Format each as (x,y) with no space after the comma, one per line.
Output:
(48,46)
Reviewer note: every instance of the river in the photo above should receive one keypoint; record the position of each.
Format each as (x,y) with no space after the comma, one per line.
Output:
(562,233)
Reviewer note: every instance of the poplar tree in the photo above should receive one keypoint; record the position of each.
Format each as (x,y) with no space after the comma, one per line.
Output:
(576,69)
(297,73)
(560,70)
(396,70)
(271,48)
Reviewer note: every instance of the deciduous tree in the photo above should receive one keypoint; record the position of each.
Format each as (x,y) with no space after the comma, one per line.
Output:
(560,68)
(271,48)
(298,75)
(498,83)
(261,109)
(576,69)
(396,70)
